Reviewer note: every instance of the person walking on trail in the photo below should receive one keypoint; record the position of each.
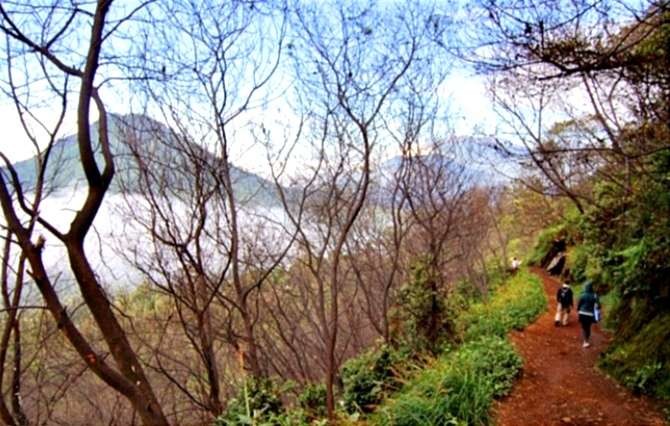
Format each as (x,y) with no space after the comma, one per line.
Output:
(565,303)
(587,308)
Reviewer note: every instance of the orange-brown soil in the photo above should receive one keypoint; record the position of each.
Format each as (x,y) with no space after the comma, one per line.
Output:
(560,384)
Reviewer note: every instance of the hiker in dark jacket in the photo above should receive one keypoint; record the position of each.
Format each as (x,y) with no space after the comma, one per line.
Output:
(586,307)
(565,303)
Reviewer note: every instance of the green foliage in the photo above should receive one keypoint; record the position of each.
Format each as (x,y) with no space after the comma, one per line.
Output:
(513,306)
(426,314)
(582,264)
(496,275)
(458,389)
(257,403)
(296,417)
(313,400)
(493,358)
(643,379)
(625,250)
(652,57)
(627,233)
(608,302)
(640,362)
(369,377)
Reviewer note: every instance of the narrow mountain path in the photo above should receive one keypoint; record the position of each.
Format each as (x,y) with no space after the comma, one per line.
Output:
(560,384)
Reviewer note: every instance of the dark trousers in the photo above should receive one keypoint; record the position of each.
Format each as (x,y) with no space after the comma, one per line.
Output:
(586,321)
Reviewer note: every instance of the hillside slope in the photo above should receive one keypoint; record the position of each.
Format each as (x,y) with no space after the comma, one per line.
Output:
(64,170)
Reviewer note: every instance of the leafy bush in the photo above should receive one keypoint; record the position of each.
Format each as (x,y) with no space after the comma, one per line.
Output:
(628,229)
(313,400)
(513,306)
(257,403)
(369,377)
(642,379)
(296,417)
(577,262)
(493,358)
(497,274)
(640,362)
(458,389)
(424,311)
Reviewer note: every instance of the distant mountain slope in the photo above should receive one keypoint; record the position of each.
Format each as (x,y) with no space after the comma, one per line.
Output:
(470,162)
(475,156)
(64,171)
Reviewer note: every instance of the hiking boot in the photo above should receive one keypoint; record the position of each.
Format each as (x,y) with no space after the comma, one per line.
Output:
(586,345)
(557,323)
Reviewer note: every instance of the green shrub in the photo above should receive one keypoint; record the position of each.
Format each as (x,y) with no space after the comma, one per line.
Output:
(496,275)
(493,358)
(296,417)
(609,302)
(458,389)
(628,228)
(642,362)
(513,306)
(257,403)
(424,311)
(577,262)
(367,378)
(313,400)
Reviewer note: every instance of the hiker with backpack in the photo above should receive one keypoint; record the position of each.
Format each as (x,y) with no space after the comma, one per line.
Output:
(588,309)
(565,303)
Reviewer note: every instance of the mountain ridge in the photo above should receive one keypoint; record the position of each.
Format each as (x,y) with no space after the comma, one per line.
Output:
(64,171)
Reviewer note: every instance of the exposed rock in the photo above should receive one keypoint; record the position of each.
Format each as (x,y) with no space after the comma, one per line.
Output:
(557,263)
(557,246)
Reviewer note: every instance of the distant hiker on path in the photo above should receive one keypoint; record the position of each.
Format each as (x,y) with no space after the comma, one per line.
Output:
(515,264)
(565,303)
(586,308)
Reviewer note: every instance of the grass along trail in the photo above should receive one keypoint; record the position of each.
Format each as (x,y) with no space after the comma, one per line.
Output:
(560,384)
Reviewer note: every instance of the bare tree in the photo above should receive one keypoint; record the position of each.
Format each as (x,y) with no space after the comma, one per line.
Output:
(436,186)
(378,260)
(48,39)
(11,338)
(198,215)
(346,90)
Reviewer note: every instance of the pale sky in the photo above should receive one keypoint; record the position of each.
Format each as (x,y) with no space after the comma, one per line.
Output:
(470,106)
(470,110)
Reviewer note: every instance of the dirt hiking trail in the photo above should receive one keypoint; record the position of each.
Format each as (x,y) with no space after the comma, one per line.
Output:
(560,384)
